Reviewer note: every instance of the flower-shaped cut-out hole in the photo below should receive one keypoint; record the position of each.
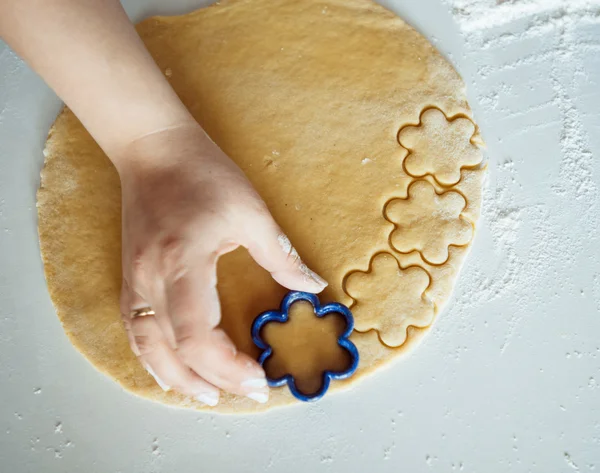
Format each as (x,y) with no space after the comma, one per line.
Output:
(305,344)
(439,147)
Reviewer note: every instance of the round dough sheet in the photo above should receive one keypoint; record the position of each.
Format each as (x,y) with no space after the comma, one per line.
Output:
(354,130)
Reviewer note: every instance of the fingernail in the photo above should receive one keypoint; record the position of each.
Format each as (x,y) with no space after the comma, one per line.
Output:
(210,399)
(254,383)
(259,397)
(314,277)
(165,387)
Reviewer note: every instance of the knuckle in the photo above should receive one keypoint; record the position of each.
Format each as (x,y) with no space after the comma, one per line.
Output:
(138,264)
(158,258)
(144,344)
(187,346)
(125,303)
(145,333)
(126,321)
(124,308)
(171,250)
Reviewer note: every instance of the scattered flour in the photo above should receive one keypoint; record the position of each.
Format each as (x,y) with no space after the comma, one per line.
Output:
(477,15)
(530,235)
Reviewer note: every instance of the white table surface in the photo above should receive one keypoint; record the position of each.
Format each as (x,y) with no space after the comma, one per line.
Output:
(507,381)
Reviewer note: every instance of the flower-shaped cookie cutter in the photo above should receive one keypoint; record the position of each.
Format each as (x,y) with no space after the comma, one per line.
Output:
(282,316)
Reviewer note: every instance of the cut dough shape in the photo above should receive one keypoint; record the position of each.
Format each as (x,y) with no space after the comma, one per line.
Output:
(428,222)
(305,346)
(309,105)
(439,147)
(389,299)
(443,276)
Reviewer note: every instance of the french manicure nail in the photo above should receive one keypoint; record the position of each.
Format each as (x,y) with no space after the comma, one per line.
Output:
(259,397)
(210,399)
(314,277)
(165,387)
(254,383)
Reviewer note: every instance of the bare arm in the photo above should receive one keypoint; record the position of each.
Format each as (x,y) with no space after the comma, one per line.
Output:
(90,54)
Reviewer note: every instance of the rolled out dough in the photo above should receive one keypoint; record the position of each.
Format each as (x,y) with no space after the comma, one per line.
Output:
(320,103)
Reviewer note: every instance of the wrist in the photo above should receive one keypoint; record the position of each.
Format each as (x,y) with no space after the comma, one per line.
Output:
(161,149)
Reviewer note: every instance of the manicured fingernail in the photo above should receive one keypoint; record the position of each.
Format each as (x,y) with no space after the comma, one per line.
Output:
(259,397)
(312,276)
(165,387)
(210,399)
(254,383)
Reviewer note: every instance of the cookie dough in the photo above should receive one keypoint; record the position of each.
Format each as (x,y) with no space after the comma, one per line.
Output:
(320,103)
(428,222)
(439,147)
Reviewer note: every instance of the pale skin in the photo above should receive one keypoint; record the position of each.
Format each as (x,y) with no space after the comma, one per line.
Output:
(184,201)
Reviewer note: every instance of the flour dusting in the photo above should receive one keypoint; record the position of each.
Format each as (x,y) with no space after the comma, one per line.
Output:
(505,38)
(477,15)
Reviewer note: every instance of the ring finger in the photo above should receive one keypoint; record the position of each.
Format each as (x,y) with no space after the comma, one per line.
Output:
(159,359)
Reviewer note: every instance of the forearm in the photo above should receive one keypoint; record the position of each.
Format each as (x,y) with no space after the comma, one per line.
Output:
(90,54)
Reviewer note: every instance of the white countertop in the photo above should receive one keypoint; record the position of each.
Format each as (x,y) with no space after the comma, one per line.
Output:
(507,381)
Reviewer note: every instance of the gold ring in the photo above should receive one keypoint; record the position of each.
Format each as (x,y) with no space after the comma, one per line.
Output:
(143,312)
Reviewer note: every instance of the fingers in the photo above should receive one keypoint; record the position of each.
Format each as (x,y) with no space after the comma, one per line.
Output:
(216,359)
(126,308)
(150,344)
(193,306)
(131,300)
(164,365)
(272,249)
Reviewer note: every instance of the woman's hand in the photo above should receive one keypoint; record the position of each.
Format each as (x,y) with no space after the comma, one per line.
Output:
(185,203)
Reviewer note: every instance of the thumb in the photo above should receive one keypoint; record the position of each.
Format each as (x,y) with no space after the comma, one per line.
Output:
(272,249)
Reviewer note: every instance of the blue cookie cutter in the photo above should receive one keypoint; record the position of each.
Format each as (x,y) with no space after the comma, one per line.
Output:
(282,316)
